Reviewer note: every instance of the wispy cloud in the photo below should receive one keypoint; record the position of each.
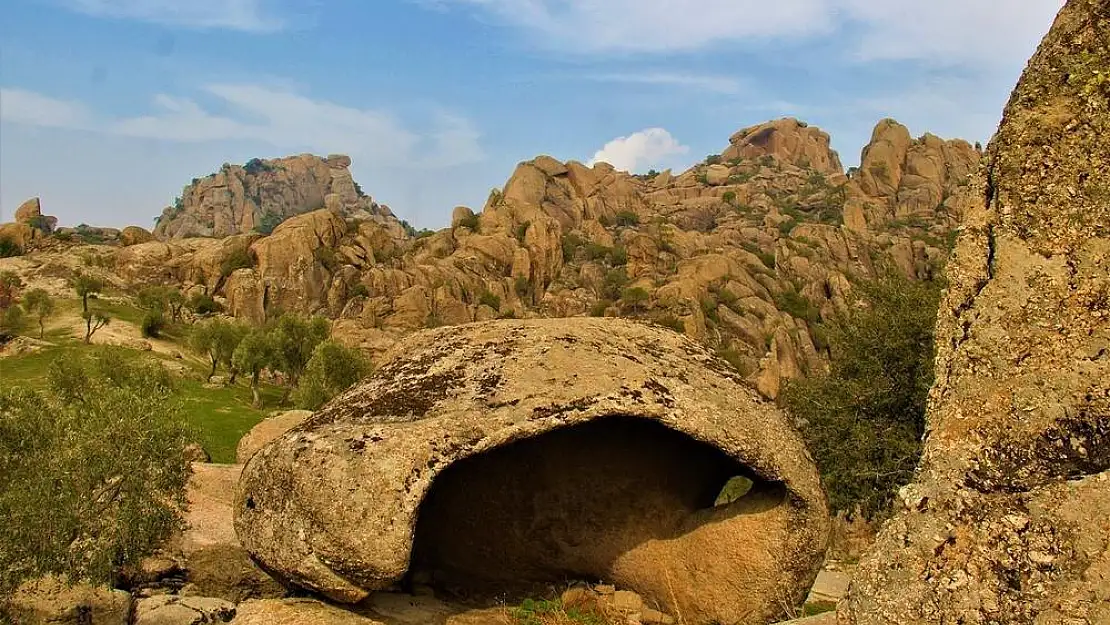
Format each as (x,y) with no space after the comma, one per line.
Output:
(242,15)
(284,119)
(972,32)
(716,84)
(651,147)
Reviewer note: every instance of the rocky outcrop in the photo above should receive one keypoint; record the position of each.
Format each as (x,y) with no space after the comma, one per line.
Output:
(268,431)
(175,610)
(134,235)
(263,193)
(1006,522)
(30,213)
(787,140)
(905,179)
(628,432)
(50,601)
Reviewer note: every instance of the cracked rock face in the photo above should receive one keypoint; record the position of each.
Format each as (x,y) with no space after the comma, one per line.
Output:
(487,457)
(1007,522)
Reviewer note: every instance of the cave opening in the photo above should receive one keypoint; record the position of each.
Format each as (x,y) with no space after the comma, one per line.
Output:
(564,505)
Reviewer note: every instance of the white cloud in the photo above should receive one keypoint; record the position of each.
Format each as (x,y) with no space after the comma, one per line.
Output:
(650,147)
(716,84)
(972,32)
(244,15)
(27,107)
(281,118)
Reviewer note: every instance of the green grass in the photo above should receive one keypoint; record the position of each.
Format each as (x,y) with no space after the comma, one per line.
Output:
(219,416)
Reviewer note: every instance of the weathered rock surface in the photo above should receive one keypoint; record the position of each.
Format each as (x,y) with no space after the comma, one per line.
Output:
(786,139)
(616,436)
(297,612)
(268,431)
(256,196)
(134,235)
(48,601)
(174,610)
(30,213)
(1007,521)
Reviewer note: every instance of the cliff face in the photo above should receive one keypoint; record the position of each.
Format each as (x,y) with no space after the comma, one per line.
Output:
(1007,520)
(263,193)
(744,252)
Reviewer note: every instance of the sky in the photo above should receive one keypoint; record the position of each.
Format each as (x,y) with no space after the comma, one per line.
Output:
(109,107)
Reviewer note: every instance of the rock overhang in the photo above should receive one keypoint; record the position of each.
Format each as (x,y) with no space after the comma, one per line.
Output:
(336,505)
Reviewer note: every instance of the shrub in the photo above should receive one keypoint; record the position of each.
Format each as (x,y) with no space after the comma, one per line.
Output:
(153,324)
(327,257)
(269,222)
(729,197)
(765,257)
(202,304)
(669,320)
(256,166)
(864,420)
(615,281)
(489,299)
(713,159)
(571,242)
(522,231)
(797,305)
(786,227)
(9,248)
(734,358)
(618,256)
(635,298)
(600,307)
(240,258)
(627,219)
(471,222)
(39,305)
(73,503)
(360,290)
(523,287)
(332,369)
(709,308)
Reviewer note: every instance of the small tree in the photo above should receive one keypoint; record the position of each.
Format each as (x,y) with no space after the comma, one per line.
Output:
(332,369)
(10,284)
(253,355)
(39,305)
(88,287)
(94,474)
(295,339)
(203,304)
(217,340)
(175,301)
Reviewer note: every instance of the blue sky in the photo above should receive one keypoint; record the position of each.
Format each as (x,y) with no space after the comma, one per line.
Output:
(108,107)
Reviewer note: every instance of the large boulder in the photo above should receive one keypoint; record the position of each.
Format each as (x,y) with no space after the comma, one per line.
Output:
(268,431)
(497,455)
(50,601)
(788,140)
(134,235)
(30,213)
(1007,520)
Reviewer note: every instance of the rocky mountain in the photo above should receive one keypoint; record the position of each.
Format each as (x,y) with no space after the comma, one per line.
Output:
(259,195)
(745,251)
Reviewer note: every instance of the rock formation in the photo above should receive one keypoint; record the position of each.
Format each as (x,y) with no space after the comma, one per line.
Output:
(1007,520)
(30,213)
(261,194)
(616,437)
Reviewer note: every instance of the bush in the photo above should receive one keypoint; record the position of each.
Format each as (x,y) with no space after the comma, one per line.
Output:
(669,320)
(269,222)
(713,159)
(635,298)
(489,299)
(614,284)
(9,248)
(240,258)
(203,304)
(332,369)
(522,231)
(618,256)
(786,227)
(797,305)
(153,324)
(360,290)
(94,474)
(627,219)
(864,420)
(523,287)
(472,222)
(729,197)
(256,166)
(600,307)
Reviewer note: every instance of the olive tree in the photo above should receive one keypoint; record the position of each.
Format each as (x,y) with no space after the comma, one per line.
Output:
(88,287)
(94,474)
(253,355)
(216,339)
(39,304)
(295,339)
(332,369)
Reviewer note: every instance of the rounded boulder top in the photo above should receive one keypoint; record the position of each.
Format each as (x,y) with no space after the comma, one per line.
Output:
(493,457)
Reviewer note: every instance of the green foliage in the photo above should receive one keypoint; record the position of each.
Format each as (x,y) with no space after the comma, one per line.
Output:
(39,305)
(202,304)
(709,308)
(12,321)
(471,222)
(240,258)
(635,298)
(797,305)
(9,248)
(786,227)
(734,358)
(217,340)
(251,357)
(600,307)
(10,283)
(489,299)
(269,222)
(256,166)
(729,197)
(765,257)
(615,281)
(86,287)
(713,159)
(360,290)
(618,256)
(154,321)
(523,287)
(94,475)
(522,231)
(553,612)
(327,257)
(625,219)
(332,369)
(295,338)
(669,320)
(864,420)
(358,190)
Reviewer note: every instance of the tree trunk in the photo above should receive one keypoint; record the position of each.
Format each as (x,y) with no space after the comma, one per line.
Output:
(212,372)
(88,330)
(42,329)
(257,403)
(231,379)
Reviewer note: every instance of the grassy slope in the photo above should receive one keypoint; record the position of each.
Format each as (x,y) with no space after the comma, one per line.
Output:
(219,415)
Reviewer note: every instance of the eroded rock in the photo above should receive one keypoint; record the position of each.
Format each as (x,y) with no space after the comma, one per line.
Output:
(520,452)
(1006,522)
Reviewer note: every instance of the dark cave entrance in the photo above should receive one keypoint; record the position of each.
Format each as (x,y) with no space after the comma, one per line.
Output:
(564,505)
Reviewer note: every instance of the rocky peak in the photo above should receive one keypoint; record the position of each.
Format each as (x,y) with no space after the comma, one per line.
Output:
(30,214)
(260,194)
(788,140)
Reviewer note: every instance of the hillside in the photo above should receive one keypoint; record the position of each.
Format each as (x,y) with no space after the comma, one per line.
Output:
(745,251)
